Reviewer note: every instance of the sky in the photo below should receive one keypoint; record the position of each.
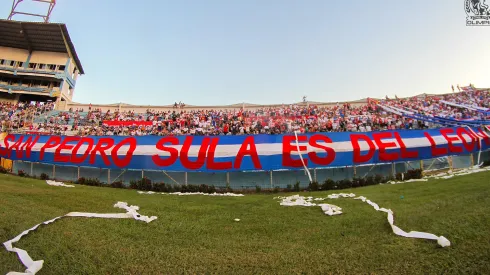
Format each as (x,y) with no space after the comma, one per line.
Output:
(219,52)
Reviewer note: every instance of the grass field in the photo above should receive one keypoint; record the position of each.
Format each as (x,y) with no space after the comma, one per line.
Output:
(198,234)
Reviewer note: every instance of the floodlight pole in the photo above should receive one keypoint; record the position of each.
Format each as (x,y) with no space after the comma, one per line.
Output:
(45,16)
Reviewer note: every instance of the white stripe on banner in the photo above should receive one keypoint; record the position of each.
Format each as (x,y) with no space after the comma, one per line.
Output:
(331,210)
(263,149)
(35,266)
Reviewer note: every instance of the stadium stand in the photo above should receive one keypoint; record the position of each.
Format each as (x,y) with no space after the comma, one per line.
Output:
(38,63)
(470,106)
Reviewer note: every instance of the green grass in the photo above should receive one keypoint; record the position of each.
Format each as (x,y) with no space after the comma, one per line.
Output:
(198,234)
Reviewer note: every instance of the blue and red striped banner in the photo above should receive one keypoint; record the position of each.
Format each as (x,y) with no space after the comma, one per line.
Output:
(244,153)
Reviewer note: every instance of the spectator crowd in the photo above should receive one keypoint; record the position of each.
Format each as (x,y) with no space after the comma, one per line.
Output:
(21,115)
(303,117)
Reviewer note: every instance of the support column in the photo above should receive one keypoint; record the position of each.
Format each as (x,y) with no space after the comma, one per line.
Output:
(78,172)
(108,176)
(227,178)
(142,173)
(271,178)
(185,178)
(54,171)
(26,64)
(314,174)
(472,160)
(32,169)
(17,97)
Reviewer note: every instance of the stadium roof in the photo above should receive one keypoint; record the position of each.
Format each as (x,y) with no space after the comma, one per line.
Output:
(35,36)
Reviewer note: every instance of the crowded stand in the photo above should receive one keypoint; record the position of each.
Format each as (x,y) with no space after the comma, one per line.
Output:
(19,116)
(470,106)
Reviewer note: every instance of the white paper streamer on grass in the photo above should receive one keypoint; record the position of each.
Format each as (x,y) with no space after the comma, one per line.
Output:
(467,171)
(331,210)
(410,180)
(35,266)
(328,209)
(193,193)
(55,183)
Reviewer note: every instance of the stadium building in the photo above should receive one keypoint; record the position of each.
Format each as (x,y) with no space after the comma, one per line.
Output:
(38,62)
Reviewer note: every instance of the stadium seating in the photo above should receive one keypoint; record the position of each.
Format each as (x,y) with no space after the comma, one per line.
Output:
(470,107)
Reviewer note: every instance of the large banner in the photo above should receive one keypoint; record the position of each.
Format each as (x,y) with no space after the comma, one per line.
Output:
(244,153)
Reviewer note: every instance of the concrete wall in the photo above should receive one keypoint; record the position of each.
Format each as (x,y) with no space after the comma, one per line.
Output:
(49,58)
(143,108)
(39,57)
(71,68)
(36,56)
(13,54)
(60,104)
(42,57)
(65,89)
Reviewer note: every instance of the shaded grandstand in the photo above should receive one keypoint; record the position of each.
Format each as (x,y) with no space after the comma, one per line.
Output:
(38,62)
